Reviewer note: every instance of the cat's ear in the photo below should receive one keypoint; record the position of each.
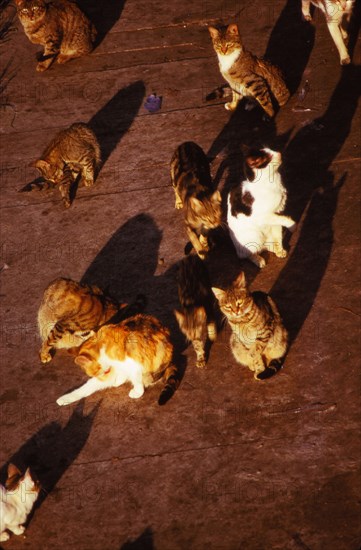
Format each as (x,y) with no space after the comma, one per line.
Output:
(29,480)
(83,361)
(196,204)
(179,316)
(13,470)
(216,197)
(240,282)
(233,29)
(213,32)
(41,165)
(218,292)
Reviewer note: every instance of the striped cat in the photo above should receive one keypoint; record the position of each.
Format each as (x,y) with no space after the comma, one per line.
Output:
(255,207)
(74,151)
(58,25)
(70,312)
(197,302)
(247,75)
(259,339)
(194,192)
(137,350)
(338,14)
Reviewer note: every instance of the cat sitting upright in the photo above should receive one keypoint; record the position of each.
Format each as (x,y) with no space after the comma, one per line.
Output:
(255,207)
(16,501)
(194,192)
(247,74)
(137,350)
(338,14)
(58,25)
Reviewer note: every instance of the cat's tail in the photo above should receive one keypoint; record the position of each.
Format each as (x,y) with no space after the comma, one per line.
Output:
(219,93)
(171,378)
(39,184)
(274,366)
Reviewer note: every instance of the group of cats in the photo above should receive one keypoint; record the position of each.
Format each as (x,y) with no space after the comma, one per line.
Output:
(114,343)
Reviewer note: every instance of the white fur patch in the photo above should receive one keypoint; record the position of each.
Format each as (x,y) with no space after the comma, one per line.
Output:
(226,61)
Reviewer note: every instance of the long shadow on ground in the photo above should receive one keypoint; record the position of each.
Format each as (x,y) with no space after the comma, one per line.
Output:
(143,542)
(103,14)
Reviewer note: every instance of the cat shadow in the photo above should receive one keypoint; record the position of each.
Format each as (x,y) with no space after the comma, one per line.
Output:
(52,450)
(291,43)
(125,268)
(103,14)
(113,120)
(143,542)
(313,194)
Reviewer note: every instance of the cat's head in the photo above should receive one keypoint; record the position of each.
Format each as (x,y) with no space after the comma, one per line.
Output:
(89,359)
(259,159)
(31,11)
(207,210)
(233,300)
(48,171)
(191,322)
(22,484)
(226,41)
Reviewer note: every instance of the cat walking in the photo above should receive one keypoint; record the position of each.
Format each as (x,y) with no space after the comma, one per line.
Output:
(17,499)
(58,25)
(247,75)
(196,316)
(259,340)
(195,194)
(254,211)
(137,350)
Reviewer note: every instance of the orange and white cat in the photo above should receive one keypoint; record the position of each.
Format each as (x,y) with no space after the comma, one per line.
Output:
(137,350)
(338,14)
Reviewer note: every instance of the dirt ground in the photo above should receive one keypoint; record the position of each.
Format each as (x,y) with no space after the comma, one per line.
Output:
(228,463)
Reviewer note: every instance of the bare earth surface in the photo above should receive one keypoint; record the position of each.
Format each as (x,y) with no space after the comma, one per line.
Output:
(228,463)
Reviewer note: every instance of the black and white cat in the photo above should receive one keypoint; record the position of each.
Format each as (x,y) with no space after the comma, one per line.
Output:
(255,207)
(16,501)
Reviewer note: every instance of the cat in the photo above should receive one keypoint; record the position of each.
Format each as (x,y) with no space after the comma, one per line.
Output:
(246,74)
(259,340)
(73,151)
(194,192)
(60,26)
(197,303)
(137,350)
(338,14)
(16,501)
(71,312)
(254,207)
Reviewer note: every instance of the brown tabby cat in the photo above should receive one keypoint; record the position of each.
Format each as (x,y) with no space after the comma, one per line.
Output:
(246,74)
(194,192)
(137,350)
(259,339)
(197,302)
(73,151)
(70,312)
(58,25)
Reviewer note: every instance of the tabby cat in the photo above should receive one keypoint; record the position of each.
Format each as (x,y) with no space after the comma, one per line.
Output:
(58,25)
(338,14)
(16,501)
(246,74)
(137,350)
(194,192)
(197,302)
(259,339)
(73,151)
(254,207)
(70,312)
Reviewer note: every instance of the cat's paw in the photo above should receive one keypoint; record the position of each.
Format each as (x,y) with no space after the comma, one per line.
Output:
(201,363)
(62,401)
(178,204)
(135,393)
(307,17)
(88,182)
(4,536)
(281,253)
(202,253)
(292,227)
(67,203)
(41,67)
(45,356)
(18,530)
(346,60)
(258,260)
(230,106)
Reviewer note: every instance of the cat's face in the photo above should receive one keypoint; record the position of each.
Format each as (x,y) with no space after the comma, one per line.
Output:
(21,484)
(233,301)
(191,323)
(226,41)
(48,171)
(208,211)
(31,10)
(92,360)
